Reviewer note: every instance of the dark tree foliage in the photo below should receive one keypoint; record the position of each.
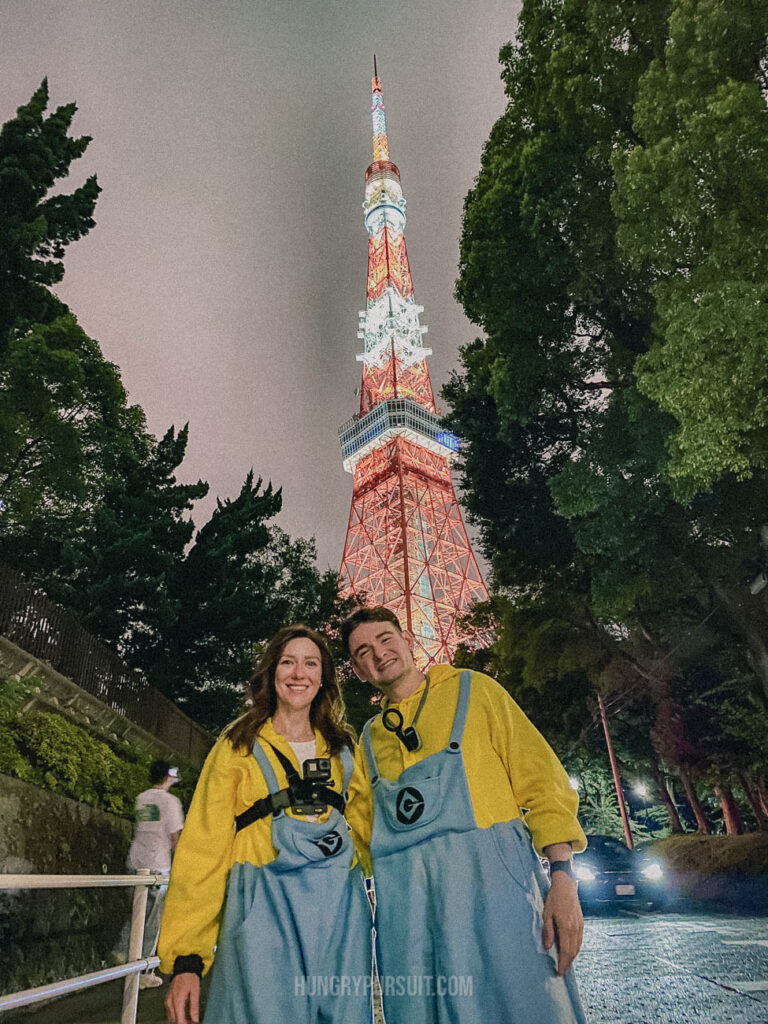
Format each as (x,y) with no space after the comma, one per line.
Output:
(35,152)
(90,504)
(240,581)
(64,427)
(115,573)
(65,423)
(622,540)
(692,205)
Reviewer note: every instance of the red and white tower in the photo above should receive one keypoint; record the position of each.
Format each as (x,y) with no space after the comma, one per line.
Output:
(406,544)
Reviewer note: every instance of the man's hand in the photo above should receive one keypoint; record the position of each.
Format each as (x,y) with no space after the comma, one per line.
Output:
(182,1004)
(563,920)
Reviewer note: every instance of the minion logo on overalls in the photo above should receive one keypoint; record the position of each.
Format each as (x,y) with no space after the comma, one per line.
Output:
(409,806)
(329,844)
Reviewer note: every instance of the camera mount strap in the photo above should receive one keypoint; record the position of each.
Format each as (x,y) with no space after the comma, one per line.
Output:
(297,791)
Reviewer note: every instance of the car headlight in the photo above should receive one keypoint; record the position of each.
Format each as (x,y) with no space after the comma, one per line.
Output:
(583,872)
(653,872)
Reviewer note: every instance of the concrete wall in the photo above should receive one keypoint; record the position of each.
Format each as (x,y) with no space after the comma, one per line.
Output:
(46,935)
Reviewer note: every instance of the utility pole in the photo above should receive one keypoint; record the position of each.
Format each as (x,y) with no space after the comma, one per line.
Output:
(615,770)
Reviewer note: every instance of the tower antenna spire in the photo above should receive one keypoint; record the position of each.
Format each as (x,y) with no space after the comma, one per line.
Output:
(378,117)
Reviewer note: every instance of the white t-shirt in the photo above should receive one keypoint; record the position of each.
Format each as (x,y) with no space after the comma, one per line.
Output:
(158,816)
(303,751)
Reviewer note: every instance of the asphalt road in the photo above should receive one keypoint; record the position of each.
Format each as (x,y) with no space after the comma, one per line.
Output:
(634,968)
(653,968)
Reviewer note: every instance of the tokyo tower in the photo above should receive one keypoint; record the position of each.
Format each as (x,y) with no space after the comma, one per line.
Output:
(406,544)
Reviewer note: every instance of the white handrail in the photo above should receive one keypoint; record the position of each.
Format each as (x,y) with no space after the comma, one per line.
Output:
(60,988)
(130,970)
(81,881)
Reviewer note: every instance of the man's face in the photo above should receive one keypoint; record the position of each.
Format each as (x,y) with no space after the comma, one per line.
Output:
(380,653)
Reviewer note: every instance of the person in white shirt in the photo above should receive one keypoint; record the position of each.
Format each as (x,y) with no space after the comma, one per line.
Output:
(159,821)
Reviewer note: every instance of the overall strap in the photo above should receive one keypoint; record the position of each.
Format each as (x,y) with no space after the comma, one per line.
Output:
(462,705)
(347,764)
(266,768)
(373,769)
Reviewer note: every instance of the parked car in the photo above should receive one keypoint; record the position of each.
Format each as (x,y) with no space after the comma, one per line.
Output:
(609,872)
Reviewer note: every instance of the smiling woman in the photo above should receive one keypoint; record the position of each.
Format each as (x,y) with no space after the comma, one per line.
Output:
(298,678)
(266,825)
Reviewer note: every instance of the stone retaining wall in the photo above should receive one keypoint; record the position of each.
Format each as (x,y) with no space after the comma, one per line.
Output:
(47,935)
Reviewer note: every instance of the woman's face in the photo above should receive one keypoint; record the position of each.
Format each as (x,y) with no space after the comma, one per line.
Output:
(298,675)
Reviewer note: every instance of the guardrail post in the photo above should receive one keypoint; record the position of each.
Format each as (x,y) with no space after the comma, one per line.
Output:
(135,944)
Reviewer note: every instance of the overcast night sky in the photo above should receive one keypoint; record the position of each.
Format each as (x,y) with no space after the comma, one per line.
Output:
(228,262)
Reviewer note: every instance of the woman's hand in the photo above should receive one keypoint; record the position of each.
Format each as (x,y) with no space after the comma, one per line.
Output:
(182,1004)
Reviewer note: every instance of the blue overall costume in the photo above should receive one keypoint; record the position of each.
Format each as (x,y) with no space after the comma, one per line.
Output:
(295,941)
(458,908)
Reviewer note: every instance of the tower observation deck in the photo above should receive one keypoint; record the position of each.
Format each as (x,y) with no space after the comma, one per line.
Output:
(406,544)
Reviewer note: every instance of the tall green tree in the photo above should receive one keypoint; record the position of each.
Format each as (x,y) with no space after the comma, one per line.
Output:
(115,573)
(65,422)
(36,152)
(239,581)
(608,562)
(91,505)
(65,425)
(692,205)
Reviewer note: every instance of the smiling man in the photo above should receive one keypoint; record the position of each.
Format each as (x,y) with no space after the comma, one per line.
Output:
(453,788)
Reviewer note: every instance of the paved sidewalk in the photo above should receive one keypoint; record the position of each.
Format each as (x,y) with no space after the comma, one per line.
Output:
(633,969)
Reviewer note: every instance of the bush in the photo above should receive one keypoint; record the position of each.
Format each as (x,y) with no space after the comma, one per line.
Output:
(715,855)
(53,752)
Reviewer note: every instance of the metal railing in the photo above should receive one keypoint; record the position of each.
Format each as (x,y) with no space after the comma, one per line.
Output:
(130,970)
(47,631)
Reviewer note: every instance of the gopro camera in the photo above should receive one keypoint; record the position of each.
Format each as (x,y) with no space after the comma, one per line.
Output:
(317,773)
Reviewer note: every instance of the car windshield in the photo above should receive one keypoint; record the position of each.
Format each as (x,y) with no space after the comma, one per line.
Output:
(609,850)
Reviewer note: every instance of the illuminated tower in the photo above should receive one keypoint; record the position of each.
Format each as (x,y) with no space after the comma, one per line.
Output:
(406,544)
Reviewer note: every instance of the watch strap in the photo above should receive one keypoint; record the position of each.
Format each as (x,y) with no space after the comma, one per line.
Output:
(561,865)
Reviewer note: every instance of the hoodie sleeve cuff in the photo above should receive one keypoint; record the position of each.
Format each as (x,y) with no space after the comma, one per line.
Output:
(192,964)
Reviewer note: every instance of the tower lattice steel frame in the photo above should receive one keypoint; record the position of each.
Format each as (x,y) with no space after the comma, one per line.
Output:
(406,544)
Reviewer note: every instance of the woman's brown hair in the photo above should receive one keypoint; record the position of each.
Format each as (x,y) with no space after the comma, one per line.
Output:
(326,712)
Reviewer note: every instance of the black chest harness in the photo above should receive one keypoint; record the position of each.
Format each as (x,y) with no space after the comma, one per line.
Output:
(308,795)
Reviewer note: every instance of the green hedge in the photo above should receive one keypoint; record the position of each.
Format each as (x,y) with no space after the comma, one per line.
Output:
(725,871)
(51,751)
(715,855)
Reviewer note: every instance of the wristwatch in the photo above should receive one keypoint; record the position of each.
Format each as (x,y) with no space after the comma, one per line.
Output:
(561,865)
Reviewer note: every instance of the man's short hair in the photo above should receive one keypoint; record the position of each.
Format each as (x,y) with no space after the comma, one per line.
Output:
(158,770)
(379,613)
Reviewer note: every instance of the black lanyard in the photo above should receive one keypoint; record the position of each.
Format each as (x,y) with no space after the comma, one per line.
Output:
(393,720)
